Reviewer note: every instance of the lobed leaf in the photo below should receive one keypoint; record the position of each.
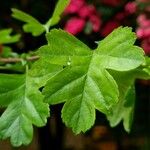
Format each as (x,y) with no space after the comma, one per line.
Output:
(118,52)
(31,24)
(6,38)
(25,107)
(124,109)
(84,83)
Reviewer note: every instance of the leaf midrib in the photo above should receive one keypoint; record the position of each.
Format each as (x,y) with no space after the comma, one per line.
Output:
(83,92)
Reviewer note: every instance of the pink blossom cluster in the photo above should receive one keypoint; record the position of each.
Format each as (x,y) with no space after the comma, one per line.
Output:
(143,32)
(118,20)
(81,14)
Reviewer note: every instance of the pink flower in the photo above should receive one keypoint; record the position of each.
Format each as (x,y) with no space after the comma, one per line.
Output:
(131,7)
(83,13)
(109,27)
(143,21)
(74,6)
(96,22)
(86,11)
(75,25)
(143,32)
(146,46)
(140,19)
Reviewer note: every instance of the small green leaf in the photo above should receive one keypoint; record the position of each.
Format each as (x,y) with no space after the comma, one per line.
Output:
(25,107)
(31,24)
(60,6)
(6,38)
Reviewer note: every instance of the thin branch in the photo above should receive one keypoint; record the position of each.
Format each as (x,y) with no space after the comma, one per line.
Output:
(33,58)
(15,60)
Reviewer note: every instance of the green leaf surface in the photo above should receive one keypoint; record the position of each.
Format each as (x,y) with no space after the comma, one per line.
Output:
(6,38)
(124,109)
(31,24)
(60,6)
(25,107)
(118,51)
(85,84)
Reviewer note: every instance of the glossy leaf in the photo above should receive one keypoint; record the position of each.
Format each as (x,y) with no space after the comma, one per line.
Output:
(31,24)
(84,83)
(6,38)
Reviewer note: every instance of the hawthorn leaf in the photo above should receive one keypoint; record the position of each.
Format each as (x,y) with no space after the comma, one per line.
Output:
(6,38)
(25,108)
(83,82)
(80,56)
(60,6)
(31,25)
(118,52)
(124,109)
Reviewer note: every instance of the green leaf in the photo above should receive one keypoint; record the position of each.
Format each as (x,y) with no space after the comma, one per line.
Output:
(146,68)
(6,38)
(84,83)
(25,107)
(31,24)
(124,109)
(6,51)
(60,6)
(118,52)
(129,105)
